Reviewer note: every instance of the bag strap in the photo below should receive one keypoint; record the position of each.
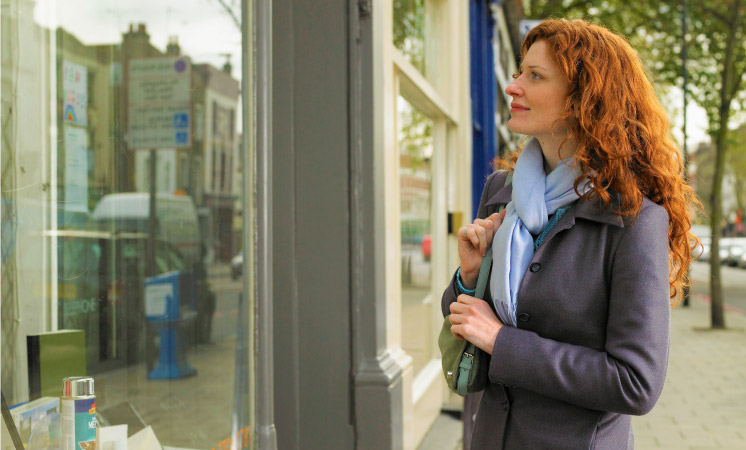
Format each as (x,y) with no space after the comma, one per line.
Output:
(487,259)
(484,272)
(466,363)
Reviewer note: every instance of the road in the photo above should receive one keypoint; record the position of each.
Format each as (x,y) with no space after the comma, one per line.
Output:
(733,279)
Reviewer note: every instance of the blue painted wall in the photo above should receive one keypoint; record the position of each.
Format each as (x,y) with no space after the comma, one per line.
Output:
(483,95)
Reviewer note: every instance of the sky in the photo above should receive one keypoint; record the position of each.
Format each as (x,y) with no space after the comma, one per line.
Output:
(204,29)
(696,120)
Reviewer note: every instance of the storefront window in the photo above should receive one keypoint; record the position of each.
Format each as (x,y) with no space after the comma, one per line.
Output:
(415,134)
(122,213)
(409,31)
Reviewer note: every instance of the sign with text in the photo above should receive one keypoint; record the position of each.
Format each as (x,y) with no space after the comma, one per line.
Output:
(76,169)
(158,103)
(75,91)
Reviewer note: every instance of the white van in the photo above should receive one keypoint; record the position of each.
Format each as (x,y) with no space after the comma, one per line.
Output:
(176,219)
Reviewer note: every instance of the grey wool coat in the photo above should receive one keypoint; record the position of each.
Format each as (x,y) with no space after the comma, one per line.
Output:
(591,345)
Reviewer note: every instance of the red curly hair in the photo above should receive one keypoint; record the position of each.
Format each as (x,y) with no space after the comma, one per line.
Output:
(622,132)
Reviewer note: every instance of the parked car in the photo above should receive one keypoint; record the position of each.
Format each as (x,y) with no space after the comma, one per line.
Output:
(736,248)
(729,245)
(723,251)
(237,266)
(742,261)
(176,219)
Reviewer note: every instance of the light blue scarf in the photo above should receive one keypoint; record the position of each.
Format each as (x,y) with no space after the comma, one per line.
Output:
(536,196)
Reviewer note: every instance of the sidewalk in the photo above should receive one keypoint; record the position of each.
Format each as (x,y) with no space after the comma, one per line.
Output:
(703,405)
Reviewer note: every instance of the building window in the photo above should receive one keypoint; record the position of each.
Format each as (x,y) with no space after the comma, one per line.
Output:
(214,177)
(93,283)
(222,171)
(409,31)
(415,136)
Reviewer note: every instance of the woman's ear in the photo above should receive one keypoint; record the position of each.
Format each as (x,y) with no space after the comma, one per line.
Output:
(575,110)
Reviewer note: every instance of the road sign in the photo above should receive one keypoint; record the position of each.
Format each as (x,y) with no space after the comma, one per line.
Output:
(525,25)
(159,98)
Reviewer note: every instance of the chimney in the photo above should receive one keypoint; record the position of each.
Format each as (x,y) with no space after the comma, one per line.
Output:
(173,48)
(227,67)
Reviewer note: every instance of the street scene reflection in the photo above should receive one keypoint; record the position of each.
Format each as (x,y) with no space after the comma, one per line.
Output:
(140,134)
(415,154)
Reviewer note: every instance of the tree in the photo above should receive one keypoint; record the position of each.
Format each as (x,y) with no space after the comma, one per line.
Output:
(718,28)
(737,164)
(409,31)
(541,9)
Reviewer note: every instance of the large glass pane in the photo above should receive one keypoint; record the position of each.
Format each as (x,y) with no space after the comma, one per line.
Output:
(122,213)
(415,134)
(409,31)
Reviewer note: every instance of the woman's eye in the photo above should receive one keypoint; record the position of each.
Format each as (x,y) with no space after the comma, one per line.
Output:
(535,76)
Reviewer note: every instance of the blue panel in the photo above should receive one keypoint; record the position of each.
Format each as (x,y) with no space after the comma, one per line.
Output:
(483,94)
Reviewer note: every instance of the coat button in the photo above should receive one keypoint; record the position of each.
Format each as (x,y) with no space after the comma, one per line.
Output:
(524,317)
(506,406)
(535,267)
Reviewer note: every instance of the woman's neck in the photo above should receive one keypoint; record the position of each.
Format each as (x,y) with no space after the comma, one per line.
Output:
(550,148)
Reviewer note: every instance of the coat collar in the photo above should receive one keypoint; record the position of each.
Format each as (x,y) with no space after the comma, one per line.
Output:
(585,209)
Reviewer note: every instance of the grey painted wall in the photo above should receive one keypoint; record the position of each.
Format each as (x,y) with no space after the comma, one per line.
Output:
(312,345)
(336,386)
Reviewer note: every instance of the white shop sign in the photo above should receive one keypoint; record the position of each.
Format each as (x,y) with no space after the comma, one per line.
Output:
(159,100)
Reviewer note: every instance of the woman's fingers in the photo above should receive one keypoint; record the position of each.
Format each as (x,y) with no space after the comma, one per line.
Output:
(482,236)
(473,319)
(481,232)
(456,307)
(474,234)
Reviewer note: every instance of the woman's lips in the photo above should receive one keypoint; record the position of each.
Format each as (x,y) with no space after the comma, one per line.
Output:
(517,108)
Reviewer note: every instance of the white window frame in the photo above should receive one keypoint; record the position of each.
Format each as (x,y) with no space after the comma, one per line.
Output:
(444,97)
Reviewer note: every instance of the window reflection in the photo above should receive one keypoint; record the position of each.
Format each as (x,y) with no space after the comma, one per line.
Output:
(415,177)
(110,113)
(409,31)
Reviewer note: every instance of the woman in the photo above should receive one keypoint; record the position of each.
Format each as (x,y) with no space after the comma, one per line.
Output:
(592,245)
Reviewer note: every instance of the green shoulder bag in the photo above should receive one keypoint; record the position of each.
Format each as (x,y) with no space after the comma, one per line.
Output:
(464,365)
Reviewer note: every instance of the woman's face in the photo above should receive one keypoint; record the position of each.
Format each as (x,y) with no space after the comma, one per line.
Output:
(539,94)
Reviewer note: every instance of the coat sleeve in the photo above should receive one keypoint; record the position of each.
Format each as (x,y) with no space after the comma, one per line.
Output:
(494,182)
(627,376)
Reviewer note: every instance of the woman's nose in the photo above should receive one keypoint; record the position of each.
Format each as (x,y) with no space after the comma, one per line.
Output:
(513,89)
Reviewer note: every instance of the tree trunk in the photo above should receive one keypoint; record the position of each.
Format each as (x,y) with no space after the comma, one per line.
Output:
(717,315)
(728,88)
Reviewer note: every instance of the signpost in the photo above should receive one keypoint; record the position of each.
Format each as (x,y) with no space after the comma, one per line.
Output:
(525,25)
(158,117)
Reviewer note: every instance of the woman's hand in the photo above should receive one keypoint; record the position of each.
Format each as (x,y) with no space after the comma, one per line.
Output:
(473,319)
(473,242)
